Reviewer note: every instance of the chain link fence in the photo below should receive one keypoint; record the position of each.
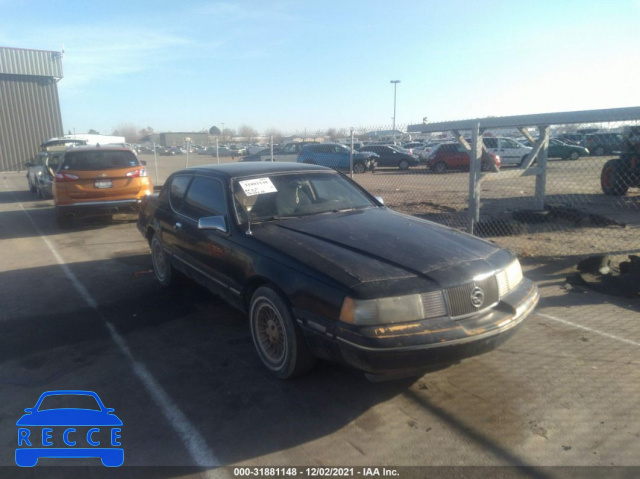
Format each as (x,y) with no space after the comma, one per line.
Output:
(580,200)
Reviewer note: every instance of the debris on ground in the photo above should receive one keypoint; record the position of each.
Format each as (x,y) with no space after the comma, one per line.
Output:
(600,273)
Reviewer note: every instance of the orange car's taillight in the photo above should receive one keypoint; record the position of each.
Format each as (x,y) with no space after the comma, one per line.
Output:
(62,177)
(137,173)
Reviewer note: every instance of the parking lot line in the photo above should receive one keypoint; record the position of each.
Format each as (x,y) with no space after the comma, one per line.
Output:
(591,330)
(191,438)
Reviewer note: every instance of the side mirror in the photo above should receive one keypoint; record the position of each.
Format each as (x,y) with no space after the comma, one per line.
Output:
(380,200)
(216,223)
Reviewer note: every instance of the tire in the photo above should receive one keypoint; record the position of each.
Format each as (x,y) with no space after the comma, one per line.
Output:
(612,178)
(523,161)
(277,338)
(599,151)
(359,168)
(403,165)
(32,188)
(574,155)
(161,265)
(440,167)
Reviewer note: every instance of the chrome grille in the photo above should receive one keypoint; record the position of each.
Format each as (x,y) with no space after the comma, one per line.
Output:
(459,297)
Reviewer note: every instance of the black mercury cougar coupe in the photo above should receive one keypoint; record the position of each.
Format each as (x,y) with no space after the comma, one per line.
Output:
(324,270)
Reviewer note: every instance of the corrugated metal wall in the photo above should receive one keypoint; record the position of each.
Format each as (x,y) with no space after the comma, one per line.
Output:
(29,104)
(18,61)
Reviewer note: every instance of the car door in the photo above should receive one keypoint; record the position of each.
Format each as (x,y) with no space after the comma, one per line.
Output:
(511,152)
(170,220)
(459,158)
(207,250)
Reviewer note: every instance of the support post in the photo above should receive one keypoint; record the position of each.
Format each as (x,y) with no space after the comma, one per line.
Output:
(541,177)
(475,158)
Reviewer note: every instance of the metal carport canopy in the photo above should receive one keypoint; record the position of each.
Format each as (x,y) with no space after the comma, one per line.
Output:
(541,119)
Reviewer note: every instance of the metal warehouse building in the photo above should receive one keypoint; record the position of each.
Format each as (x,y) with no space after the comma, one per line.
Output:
(29,103)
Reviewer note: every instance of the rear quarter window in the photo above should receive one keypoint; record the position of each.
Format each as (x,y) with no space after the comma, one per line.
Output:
(177,189)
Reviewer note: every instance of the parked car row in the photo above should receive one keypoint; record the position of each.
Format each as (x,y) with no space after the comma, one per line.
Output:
(337,155)
(598,144)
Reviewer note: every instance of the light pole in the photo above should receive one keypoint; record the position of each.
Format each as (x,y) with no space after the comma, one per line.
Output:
(395,86)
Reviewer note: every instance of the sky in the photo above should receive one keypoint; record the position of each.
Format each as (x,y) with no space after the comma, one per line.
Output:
(305,66)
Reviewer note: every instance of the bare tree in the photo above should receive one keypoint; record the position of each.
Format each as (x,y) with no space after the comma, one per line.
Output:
(228,133)
(128,130)
(247,132)
(93,132)
(214,131)
(277,134)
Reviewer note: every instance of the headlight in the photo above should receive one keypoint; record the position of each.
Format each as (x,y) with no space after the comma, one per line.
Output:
(396,309)
(509,278)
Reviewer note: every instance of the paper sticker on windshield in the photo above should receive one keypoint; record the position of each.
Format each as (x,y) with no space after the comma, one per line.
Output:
(259,186)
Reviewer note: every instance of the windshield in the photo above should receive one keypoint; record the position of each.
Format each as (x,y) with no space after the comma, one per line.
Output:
(288,195)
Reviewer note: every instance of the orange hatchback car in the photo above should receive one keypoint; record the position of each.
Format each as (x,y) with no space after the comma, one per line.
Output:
(97,180)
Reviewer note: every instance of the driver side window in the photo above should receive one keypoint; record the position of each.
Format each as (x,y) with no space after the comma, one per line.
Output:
(204,198)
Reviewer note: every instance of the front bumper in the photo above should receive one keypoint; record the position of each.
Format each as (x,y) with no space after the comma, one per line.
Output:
(428,344)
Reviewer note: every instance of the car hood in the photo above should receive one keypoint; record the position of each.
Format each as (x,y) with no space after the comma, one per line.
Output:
(377,245)
(69,417)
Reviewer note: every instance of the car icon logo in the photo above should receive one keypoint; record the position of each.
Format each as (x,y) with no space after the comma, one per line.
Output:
(477,297)
(69,424)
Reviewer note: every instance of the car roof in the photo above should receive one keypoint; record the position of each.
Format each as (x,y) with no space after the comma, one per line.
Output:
(252,168)
(99,148)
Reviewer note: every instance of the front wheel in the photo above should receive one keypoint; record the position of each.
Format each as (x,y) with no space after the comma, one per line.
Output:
(599,151)
(440,167)
(574,155)
(612,178)
(278,340)
(403,165)
(161,264)
(359,168)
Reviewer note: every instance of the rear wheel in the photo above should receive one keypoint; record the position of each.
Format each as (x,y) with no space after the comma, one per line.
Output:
(161,264)
(599,151)
(359,168)
(32,187)
(440,167)
(403,165)
(612,178)
(277,338)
